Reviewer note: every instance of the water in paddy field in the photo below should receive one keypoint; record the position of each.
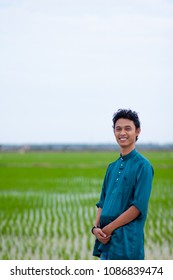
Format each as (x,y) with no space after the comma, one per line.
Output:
(57,226)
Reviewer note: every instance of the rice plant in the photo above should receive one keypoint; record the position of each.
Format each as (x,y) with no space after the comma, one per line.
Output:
(47,205)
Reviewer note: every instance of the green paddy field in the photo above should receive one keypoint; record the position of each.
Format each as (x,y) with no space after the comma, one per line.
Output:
(47,204)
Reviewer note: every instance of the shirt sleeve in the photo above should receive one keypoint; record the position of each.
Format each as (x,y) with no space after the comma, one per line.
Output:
(103,192)
(143,187)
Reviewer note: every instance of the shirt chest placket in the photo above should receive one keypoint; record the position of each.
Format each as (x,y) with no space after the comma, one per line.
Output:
(120,172)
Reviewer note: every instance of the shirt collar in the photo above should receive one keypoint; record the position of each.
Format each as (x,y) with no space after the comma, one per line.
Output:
(128,156)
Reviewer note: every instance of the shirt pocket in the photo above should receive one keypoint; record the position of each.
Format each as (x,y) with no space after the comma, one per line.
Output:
(127,186)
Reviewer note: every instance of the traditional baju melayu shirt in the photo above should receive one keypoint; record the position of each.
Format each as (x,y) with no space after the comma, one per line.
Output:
(127,182)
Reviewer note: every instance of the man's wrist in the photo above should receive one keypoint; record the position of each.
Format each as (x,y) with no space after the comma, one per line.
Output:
(92,230)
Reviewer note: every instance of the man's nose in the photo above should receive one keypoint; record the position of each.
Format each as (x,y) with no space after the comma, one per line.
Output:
(122,132)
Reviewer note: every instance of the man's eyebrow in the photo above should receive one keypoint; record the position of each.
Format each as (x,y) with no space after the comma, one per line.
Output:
(123,125)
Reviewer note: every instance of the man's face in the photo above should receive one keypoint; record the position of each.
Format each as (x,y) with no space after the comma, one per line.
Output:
(126,132)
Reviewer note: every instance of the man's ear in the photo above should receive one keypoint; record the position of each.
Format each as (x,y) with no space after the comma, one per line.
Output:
(138,131)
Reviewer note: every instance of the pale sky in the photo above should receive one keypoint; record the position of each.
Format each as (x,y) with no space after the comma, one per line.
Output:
(67,66)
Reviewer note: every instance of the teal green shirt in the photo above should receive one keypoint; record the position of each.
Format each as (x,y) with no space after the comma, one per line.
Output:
(127,182)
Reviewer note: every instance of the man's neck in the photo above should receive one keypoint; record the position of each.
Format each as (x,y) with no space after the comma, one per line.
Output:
(126,150)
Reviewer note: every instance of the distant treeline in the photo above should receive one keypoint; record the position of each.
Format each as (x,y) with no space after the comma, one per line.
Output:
(79,147)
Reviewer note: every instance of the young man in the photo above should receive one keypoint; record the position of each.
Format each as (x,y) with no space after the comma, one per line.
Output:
(123,204)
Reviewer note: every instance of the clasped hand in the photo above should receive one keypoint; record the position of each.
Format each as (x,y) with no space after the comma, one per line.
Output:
(103,235)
